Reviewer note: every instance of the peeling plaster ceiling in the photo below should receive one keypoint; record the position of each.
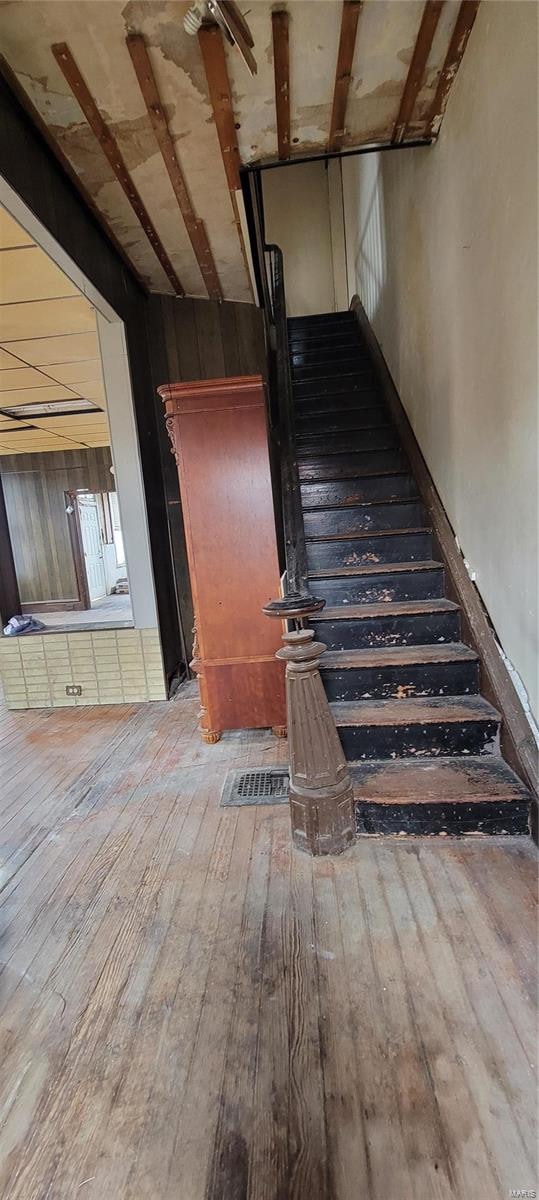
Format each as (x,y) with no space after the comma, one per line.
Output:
(95,31)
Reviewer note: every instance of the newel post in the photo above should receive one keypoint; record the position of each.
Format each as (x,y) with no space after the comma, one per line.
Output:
(321,796)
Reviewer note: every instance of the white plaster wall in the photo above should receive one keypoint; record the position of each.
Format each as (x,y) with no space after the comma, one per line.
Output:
(297,218)
(442,250)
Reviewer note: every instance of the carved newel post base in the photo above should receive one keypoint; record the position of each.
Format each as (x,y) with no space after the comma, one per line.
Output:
(321,796)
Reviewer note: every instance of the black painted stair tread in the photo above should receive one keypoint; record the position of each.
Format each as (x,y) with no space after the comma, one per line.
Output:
(453,796)
(358,464)
(398,608)
(397,656)
(312,445)
(378,488)
(345,421)
(368,533)
(414,710)
(376,569)
(436,780)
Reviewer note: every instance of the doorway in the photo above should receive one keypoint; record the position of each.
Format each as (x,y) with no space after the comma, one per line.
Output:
(92,546)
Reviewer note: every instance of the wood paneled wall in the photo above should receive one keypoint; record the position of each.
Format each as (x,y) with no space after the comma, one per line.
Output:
(34,487)
(197,339)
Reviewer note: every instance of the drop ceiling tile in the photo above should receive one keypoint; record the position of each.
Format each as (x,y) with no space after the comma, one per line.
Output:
(8,362)
(69,424)
(76,372)
(46,318)
(93,391)
(11,233)
(39,395)
(43,351)
(22,377)
(29,275)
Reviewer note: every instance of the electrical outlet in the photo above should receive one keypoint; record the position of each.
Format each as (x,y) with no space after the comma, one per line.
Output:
(73,689)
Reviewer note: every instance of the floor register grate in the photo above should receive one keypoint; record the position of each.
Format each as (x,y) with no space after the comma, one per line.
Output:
(256,787)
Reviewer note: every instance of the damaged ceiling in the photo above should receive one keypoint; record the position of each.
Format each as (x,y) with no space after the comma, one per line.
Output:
(90,52)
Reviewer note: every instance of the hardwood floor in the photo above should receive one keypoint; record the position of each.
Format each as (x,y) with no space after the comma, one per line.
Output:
(189,1011)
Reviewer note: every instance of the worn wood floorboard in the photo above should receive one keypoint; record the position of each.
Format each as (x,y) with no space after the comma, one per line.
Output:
(191,1011)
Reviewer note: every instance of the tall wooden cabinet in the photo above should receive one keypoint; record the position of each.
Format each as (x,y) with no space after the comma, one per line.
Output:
(218,433)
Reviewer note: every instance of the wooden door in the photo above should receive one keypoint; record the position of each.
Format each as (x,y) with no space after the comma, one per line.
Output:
(92,545)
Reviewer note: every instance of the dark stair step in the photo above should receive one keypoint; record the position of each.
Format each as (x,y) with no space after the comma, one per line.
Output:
(314,445)
(438,727)
(317,339)
(400,672)
(356,464)
(375,584)
(404,623)
(333,386)
(326,359)
(320,424)
(395,486)
(372,517)
(396,545)
(347,369)
(439,795)
(314,320)
(307,407)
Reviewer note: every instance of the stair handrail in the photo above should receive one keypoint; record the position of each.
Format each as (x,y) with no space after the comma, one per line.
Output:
(281,410)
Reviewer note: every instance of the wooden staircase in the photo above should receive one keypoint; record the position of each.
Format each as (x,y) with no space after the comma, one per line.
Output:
(423,744)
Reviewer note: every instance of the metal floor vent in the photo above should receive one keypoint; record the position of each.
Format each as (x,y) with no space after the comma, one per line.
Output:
(268,786)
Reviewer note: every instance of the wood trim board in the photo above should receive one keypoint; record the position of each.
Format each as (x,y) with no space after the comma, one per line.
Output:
(343,74)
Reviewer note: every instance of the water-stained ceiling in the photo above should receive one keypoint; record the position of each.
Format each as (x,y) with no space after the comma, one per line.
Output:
(384,62)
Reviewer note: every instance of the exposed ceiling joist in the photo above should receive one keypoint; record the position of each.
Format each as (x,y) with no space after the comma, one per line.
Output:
(213,56)
(463,27)
(110,148)
(55,149)
(281,66)
(345,57)
(194,226)
(427,29)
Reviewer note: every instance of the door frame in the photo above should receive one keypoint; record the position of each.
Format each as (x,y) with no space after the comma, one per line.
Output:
(77,547)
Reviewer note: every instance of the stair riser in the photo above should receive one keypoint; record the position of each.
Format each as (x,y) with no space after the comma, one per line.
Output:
(346,338)
(334,422)
(315,320)
(440,739)
(341,403)
(348,385)
(400,682)
(357,491)
(380,548)
(350,467)
(407,585)
(347,371)
(486,817)
(365,518)
(332,357)
(415,630)
(338,443)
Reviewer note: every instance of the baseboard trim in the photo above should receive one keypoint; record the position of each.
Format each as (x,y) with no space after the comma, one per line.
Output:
(519,747)
(45,606)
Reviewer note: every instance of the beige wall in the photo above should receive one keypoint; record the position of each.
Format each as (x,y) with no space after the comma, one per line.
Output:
(442,250)
(297,218)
